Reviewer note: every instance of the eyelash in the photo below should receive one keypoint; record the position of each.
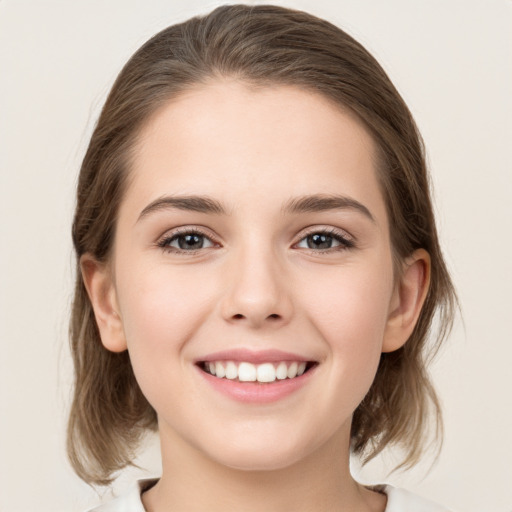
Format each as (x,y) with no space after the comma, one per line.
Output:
(164,242)
(344,241)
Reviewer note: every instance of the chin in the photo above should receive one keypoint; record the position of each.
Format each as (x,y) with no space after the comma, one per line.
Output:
(256,461)
(262,456)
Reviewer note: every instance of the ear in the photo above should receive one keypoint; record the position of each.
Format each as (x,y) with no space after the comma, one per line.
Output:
(102,294)
(408,298)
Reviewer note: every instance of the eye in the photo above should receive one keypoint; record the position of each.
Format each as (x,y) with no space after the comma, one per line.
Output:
(185,240)
(326,240)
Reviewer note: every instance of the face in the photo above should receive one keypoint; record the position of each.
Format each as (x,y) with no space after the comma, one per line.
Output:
(253,239)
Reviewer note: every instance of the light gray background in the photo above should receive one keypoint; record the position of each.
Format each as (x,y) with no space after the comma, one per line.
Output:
(451,60)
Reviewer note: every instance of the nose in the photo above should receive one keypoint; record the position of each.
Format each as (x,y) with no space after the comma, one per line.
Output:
(257,294)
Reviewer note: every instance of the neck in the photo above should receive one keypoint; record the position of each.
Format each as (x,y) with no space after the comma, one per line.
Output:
(322,482)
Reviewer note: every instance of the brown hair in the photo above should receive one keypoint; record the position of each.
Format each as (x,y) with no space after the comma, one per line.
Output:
(260,45)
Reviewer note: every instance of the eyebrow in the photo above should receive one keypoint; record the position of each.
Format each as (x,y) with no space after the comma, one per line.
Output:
(301,204)
(325,202)
(202,204)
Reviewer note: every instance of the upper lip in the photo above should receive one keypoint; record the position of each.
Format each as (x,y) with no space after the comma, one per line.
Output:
(253,356)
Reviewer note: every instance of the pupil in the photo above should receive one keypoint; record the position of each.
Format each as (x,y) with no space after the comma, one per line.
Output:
(191,241)
(320,241)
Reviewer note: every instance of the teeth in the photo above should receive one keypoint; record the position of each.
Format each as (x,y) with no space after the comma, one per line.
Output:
(281,371)
(266,373)
(231,370)
(219,370)
(292,370)
(248,372)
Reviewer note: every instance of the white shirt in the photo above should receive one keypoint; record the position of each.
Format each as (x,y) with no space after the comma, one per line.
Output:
(399,500)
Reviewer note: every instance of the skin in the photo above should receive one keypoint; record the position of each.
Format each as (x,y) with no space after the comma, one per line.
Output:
(255,284)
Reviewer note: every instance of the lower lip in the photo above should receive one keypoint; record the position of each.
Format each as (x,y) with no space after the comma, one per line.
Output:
(257,392)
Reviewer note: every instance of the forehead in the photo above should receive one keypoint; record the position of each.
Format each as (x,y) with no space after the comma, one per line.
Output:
(253,144)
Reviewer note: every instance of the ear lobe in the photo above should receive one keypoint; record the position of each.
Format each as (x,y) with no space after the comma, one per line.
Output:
(102,294)
(408,298)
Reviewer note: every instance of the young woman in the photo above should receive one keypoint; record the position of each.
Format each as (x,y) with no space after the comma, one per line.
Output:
(257,271)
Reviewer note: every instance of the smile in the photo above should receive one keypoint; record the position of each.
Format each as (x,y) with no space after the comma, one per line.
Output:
(248,372)
(256,376)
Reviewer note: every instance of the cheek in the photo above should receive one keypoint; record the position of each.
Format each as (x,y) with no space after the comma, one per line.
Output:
(161,310)
(350,305)
(350,312)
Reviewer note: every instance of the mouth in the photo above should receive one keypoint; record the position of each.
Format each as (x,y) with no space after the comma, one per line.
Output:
(256,376)
(264,372)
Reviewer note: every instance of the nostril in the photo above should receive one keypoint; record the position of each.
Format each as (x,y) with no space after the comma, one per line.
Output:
(273,316)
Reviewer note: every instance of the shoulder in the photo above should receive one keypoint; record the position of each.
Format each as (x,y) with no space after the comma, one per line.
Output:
(400,500)
(128,502)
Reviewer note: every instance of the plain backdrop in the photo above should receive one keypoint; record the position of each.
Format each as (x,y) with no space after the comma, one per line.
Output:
(452,62)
